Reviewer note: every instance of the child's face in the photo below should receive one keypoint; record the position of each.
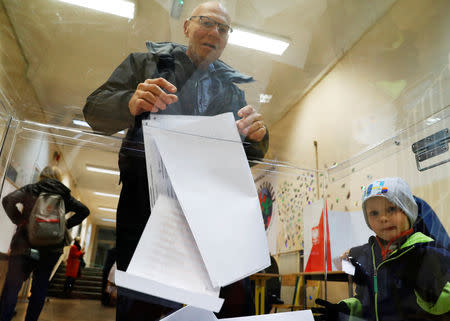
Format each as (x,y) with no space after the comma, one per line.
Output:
(385,218)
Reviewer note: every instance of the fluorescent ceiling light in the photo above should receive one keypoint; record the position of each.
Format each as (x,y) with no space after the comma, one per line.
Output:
(50,126)
(264,98)
(80,123)
(108,220)
(102,170)
(106,194)
(117,7)
(84,124)
(252,40)
(431,121)
(107,209)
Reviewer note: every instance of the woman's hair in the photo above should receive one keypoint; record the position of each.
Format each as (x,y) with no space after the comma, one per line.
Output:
(51,172)
(77,239)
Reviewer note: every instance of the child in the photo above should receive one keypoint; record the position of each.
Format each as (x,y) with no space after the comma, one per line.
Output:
(401,274)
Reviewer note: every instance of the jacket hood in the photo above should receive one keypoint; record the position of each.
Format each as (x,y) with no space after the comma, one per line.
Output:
(53,186)
(428,223)
(223,70)
(397,191)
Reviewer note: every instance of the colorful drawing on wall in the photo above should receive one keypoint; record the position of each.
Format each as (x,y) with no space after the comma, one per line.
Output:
(293,194)
(344,194)
(266,200)
(283,196)
(266,182)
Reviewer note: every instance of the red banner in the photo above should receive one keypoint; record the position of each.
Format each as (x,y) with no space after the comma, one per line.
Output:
(316,260)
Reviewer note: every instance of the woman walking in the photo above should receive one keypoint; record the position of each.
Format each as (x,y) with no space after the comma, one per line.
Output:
(73,267)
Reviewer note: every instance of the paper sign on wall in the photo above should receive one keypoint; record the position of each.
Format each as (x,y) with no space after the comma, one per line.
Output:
(314,221)
(347,230)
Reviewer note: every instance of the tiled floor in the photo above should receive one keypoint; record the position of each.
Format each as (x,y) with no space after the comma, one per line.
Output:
(70,310)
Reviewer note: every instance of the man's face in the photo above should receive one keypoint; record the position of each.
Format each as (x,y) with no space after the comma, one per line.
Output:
(206,44)
(385,218)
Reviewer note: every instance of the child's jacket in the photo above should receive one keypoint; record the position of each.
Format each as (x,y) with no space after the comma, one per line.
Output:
(412,283)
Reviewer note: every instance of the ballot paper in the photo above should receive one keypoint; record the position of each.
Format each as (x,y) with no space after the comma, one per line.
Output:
(167,263)
(190,313)
(347,230)
(348,267)
(212,198)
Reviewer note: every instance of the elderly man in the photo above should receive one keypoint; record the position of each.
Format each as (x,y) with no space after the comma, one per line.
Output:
(169,79)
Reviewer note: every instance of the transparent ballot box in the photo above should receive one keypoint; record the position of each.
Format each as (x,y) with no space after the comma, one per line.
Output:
(310,217)
(273,226)
(266,198)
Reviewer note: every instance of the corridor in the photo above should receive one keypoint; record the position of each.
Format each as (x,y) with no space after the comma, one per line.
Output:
(70,310)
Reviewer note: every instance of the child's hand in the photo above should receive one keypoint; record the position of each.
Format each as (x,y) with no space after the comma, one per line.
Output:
(361,276)
(345,255)
(330,311)
(338,260)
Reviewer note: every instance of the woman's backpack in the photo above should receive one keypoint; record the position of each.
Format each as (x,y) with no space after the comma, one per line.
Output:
(47,223)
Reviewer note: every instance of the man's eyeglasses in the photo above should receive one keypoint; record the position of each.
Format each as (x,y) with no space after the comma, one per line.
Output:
(209,23)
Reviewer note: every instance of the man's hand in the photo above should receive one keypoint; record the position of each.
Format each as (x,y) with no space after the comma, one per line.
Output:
(251,125)
(150,96)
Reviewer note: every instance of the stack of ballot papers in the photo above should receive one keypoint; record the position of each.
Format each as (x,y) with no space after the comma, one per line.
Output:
(190,313)
(207,230)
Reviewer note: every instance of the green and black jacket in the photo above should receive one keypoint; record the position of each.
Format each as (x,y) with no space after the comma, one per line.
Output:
(412,283)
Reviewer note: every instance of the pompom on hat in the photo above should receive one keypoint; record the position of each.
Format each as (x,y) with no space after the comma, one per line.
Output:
(397,191)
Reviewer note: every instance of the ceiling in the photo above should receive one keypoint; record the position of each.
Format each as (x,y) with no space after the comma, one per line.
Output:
(71,50)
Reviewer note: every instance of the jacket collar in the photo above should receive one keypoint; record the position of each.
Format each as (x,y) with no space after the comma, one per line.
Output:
(413,239)
(416,238)
(221,69)
(50,185)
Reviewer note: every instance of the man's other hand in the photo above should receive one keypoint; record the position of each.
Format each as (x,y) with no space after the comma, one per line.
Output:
(150,96)
(251,124)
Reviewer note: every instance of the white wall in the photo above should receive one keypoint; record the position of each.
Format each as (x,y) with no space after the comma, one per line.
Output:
(397,74)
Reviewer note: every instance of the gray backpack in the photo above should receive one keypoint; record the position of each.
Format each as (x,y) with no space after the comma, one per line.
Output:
(47,222)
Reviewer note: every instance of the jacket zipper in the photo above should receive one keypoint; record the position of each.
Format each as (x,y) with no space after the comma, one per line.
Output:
(375,275)
(375,283)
